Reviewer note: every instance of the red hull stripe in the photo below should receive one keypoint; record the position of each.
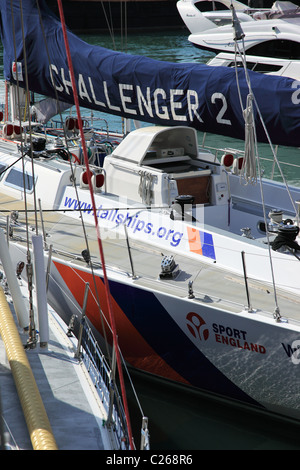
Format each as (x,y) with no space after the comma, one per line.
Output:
(135,349)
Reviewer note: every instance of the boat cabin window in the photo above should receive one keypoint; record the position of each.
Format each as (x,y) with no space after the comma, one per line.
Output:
(257,67)
(16,179)
(169,160)
(280,49)
(207,6)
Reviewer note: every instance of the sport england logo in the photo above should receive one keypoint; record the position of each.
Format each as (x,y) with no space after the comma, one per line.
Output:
(223,335)
(197,326)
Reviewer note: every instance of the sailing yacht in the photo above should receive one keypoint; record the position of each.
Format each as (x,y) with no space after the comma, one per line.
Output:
(186,255)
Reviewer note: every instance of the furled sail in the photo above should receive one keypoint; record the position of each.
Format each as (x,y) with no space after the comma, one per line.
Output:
(141,88)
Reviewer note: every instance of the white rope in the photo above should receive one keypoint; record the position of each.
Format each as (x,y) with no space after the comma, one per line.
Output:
(276,314)
(145,185)
(249,164)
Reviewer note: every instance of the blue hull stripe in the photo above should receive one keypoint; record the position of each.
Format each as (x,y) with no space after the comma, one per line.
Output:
(162,333)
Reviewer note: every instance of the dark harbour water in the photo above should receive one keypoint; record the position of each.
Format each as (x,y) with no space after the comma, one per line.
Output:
(184,419)
(181,419)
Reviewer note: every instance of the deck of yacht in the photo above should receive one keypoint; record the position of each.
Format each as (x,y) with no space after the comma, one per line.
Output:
(212,285)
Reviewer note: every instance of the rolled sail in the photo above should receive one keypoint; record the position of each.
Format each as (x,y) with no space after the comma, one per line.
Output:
(137,87)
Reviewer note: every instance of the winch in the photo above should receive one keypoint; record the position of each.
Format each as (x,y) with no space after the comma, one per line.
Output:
(275,219)
(182,201)
(287,233)
(169,269)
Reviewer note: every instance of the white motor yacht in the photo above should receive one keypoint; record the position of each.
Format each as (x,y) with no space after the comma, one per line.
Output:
(269,32)
(265,65)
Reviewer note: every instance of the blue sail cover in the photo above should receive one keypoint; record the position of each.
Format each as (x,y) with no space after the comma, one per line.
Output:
(141,88)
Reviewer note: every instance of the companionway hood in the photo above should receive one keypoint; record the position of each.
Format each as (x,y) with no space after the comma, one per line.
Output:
(137,87)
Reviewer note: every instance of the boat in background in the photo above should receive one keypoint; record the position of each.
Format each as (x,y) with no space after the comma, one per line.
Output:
(270,32)
(186,253)
(265,65)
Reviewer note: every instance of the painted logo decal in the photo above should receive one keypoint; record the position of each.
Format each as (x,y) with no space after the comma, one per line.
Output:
(197,326)
(221,334)
(201,242)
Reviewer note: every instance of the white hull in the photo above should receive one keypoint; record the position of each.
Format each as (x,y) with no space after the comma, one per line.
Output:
(207,334)
(206,342)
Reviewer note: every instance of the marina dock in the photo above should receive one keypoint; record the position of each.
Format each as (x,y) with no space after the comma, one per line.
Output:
(76,413)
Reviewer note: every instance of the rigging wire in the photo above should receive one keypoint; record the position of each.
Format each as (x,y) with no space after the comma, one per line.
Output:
(242,54)
(98,303)
(240,36)
(76,191)
(30,133)
(123,23)
(32,330)
(74,181)
(107,291)
(109,23)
